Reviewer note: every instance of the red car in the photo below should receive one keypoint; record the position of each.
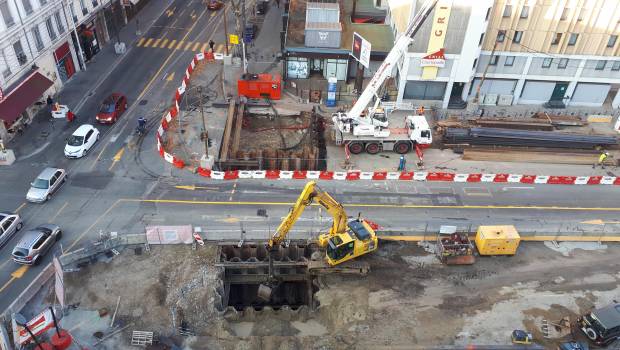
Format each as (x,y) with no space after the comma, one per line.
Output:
(112,108)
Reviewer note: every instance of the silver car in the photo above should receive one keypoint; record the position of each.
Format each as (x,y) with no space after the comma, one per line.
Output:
(9,224)
(35,243)
(48,182)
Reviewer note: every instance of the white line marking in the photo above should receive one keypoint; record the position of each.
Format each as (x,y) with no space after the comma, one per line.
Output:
(35,152)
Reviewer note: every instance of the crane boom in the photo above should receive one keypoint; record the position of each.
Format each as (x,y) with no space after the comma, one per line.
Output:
(400,47)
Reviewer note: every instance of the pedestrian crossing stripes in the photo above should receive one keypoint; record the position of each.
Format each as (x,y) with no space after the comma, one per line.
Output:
(177,45)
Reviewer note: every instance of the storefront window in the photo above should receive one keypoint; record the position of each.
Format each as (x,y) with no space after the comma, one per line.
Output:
(336,68)
(424,90)
(297,67)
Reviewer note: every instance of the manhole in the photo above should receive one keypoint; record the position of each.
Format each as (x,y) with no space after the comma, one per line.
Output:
(143,102)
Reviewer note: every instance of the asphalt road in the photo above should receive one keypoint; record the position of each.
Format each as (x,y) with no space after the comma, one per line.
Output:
(123,185)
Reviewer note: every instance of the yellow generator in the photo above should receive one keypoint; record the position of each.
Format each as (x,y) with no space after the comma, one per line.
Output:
(497,240)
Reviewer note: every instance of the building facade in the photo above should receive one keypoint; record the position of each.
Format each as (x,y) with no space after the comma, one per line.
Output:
(440,64)
(553,52)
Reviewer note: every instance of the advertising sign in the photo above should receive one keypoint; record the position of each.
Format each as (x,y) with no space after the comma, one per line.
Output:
(438,36)
(436,59)
(361,50)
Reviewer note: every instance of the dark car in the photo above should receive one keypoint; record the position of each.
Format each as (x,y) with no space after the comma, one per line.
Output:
(215,5)
(35,244)
(601,326)
(112,108)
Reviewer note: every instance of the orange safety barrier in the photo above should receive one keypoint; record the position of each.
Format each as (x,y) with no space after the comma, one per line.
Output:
(406,175)
(299,174)
(353,175)
(501,178)
(326,175)
(272,174)
(379,175)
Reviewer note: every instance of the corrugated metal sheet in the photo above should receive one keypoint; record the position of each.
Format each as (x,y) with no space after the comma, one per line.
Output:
(323,35)
(322,12)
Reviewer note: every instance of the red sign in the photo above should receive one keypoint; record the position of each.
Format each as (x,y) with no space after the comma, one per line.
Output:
(435,55)
(435,59)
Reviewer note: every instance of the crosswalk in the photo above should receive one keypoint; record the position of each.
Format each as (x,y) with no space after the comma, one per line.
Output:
(168,44)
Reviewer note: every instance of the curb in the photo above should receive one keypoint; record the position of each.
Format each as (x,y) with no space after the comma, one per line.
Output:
(353,175)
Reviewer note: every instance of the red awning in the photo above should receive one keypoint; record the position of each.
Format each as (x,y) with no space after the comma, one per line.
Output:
(22,96)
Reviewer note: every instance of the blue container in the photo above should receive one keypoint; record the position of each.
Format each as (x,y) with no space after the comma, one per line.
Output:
(332,85)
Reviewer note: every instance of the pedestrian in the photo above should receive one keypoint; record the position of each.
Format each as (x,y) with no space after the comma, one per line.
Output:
(278,3)
(421,110)
(50,103)
(402,163)
(211,45)
(70,116)
(601,160)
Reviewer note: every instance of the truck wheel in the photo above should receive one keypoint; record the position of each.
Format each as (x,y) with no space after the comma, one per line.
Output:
(373,148)
(402,147)
(356,147)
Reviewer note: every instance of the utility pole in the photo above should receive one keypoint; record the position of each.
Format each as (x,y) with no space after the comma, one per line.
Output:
(245,63)
(225,30)
(204,123)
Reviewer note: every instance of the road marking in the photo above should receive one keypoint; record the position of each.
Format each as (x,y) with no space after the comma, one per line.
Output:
(148,42)
(91,226)
(195,46)
(517,188)
(179,45)
(171,45)
(188,45)
(156,43)
(163,44)
(477,191)
(8,283)
(59,211)
(140,42)
(20,207)
(19,273)
(193,187)
(170,12)
(213,14)
(378,205)
(232,192)
(36,151)
(599,222)
(170,77)
(98,156)
(204,47)
(117,157)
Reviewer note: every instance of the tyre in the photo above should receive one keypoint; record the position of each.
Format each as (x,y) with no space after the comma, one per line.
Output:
(356,147)
(402,147)
(373,148)
(591,333)
(84,153)
(19,226)
(36,261)
(97,137)
(49,196)
(59,235)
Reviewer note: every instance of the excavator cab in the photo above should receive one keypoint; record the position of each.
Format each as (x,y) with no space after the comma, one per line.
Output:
(359,239)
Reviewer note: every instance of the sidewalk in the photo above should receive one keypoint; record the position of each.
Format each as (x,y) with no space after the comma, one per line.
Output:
(81,86)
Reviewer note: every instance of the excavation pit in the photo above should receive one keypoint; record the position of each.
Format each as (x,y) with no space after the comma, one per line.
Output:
(246,268)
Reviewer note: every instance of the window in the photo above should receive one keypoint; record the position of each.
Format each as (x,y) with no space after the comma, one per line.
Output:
(547,62)
(72,8)
(83,7)
(517,37)
(424,90)
(5,63)
(19,52)
(612,40)
(481,39)
(95,3)
(493,60)
(36,34)
(486,18)
(507,11)
(525,12)
(510,60)
(563,63)
(27,6)
(42,2)
(6,14)
(581,14)
(556,39)
(476,62)
(297,67)
(501,35)
(564,14)
(59,25)
(600,64)
(572,39)
(616,65)
(50,28)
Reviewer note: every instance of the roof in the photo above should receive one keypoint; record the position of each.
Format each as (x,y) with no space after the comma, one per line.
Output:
(323,5)
(22,96)
(380,36)
(609,316)
(47,173)
(324,25)
(28,238)
(82,130)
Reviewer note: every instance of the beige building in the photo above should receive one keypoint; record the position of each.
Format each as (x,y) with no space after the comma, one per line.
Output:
(552,52)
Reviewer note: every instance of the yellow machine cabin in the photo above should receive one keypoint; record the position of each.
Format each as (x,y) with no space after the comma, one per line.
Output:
(497,240)
(344,240)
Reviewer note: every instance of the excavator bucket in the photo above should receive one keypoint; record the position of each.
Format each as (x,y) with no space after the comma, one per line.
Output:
(264,292)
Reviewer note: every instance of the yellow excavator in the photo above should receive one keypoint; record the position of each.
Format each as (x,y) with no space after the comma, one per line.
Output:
(344,240)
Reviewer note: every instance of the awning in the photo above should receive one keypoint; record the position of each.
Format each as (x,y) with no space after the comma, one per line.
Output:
(23,95)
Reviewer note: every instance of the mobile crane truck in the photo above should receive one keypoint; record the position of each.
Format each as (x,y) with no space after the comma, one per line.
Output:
(369,131)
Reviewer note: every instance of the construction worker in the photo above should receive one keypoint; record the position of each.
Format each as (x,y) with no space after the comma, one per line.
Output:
(70,116)
(421,110)
(402,163)
(601,160)
(211,45)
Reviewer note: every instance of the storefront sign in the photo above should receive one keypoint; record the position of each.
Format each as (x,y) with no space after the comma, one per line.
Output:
(234,39)
(437,37)
(361,50)
(436,59)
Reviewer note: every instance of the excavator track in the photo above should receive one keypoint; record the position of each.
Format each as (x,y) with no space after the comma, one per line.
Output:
(321,267)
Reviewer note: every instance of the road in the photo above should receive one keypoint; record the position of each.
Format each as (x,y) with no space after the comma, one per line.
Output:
(123,185)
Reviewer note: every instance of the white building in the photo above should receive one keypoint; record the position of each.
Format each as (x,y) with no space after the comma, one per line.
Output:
(456,27)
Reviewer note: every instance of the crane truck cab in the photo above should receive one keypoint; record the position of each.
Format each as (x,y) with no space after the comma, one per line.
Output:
(419,131)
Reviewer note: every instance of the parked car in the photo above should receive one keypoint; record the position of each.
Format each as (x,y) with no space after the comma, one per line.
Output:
(602,326)
(215,5)
(35,243)
(9,224)
(48,182)
(81,141)
(112,108)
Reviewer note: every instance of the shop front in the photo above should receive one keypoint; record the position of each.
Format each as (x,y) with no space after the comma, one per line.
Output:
(87,34)
(309,66)
(64,62)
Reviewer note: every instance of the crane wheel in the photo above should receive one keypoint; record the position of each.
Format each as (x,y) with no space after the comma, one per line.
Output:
(356,147)
(402,147)
(373,148)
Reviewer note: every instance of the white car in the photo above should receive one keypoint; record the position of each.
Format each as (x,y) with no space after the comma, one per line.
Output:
(82,140)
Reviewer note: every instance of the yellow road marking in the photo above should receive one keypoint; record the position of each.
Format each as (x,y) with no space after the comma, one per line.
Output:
(59,211)
(20,207)
(378,205)
(117,157)
(156,43)
(8,283)
(99,156)
(170,77)
(204,47)
(220,48)
(148,42)
(179,45)
(188,46)
(171,45)
(19,273)
(195,46)
(599,222)
(163,44)
(170,12)
(91,226)
(140,42)
(213,14)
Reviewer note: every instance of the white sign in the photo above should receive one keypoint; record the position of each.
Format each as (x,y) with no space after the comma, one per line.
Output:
(435,59)
(59,285)
(361,50)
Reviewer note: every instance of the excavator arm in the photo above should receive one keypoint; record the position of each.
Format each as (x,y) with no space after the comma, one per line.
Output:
(307,196)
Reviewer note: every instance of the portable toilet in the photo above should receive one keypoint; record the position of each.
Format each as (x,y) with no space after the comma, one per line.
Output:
(497,240)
